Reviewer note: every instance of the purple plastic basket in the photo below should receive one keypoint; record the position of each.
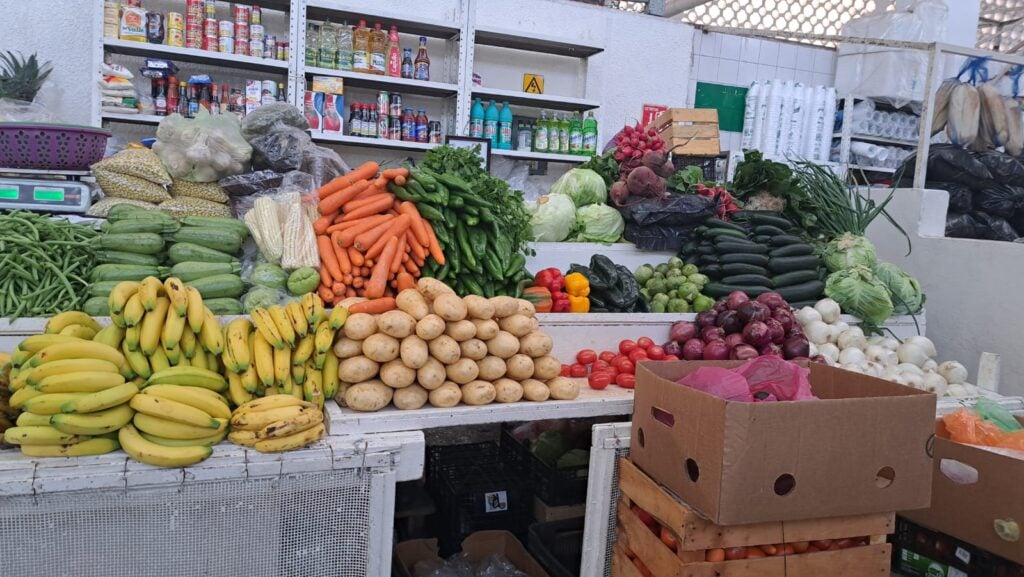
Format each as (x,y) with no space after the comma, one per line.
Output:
(33,145)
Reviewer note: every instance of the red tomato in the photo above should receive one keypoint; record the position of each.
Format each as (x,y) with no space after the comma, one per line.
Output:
(656,353)
(644,343)
(625,380)
(626,346)
(566,370)
(624,366)
(644,516)
(599,365)
(577,370)
(637,355)
(599,379)
(618,359)
(671,358)
(606,356)
(613,371)
(669,539)
(586,357)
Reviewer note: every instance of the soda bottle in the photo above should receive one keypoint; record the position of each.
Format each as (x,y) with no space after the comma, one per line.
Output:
(575,134)
(312,44)
(215,99)
(563,134)
(394,54)
(361,48)
(344,47)
(408,126)
(328,55)
(407,66)
(505,127)
(172,95)
(491,123)
(540,134)
(590,134)
(476,119)
(378,48)
(422,124)
(421,68)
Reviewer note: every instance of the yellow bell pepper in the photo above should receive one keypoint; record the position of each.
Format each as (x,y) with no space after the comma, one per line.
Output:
(579,304)
(577,285)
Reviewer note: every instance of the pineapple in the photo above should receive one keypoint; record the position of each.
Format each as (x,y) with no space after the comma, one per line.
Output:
(20,77)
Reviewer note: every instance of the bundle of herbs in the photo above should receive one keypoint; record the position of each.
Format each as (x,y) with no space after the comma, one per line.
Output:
(763,184)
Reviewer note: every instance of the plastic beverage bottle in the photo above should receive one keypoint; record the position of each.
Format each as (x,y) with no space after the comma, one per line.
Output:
(590,134)
(421,67)
(505,127)
(312,44)
(491,123)
(408,126)
(361,48)
(422,124)
(328,55)
(345,47)
(407,66)
(378,49)
(540,133)
(575,134)
(476,119)
(394,64)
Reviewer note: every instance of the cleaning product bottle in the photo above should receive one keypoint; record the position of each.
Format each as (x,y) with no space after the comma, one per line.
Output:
(394,54)
(590,134)
(361,48)
(505,127)
(563,134)
(476,119)
(575,134)
(491,123)
(345,47)
(540,135)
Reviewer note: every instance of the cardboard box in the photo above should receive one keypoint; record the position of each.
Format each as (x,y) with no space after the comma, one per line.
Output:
(968,511)
(328,85)
(861,448)
(478,546)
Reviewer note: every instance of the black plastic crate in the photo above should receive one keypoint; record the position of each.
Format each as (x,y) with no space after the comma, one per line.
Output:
(916,549)
(555,486)
(558,546)
(707,164)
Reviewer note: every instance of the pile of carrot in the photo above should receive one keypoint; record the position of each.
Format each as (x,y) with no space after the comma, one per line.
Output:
(371,244)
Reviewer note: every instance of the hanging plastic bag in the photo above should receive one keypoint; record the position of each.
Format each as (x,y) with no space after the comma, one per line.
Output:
(993,412)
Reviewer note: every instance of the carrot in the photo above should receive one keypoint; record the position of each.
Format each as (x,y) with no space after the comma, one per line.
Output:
(338,289)
(418,226)
(404,281)
(347,279)
(341,254)
(357,282)
(328,257)
(335,201)
(379,276)
(375,219)
(415,247)
(396,261)
(321,224)
(400,180)
(380,203)
(393,173)
(326,294)
(373,306)
(397,229)
(368,191)
(366,171)
(356,257)
(350,292)
(361,202)
(367,268)
(434,247)
(411,268)
(349,235)
(405,255)
(380,233)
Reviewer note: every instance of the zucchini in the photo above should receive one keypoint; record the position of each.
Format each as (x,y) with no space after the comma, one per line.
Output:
(718,290)
(785,240)
(719,223)
(732,247)
(794,278)
(96,307)
(729,238)
(121,272)
(702,250)
(224,306)
(218,286)
(712,270)
(691,259)
(139,225)
(809,290)
(758,259)
(215,238)
(725,233)
(135,242)
(736,268)
(801,249)
(139,214)
(748,279)
(761,238)
(706,259)
(121,257)
(188,252)
(122,210)
(769,230)
(190,271)
(689,248)
(771,219)
(794,263)
(217,222)
(103,288)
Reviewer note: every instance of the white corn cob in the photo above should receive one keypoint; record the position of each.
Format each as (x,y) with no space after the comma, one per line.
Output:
(269,223)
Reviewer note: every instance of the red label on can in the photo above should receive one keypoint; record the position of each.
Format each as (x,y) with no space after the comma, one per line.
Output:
(210,27)
(211,43)
(242,47)
(241,31)
(241,14)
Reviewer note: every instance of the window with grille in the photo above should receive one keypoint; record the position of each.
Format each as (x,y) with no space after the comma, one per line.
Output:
(825,17)
(1001,25)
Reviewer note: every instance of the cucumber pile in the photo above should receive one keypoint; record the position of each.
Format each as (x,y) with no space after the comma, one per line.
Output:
(757,253)
(202,251)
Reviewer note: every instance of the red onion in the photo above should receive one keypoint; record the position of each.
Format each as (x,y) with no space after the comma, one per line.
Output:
(743,353)
(729,322)
(784,316)
(707,318)
(756,334)
(709,334)
(720,306)
(693,350)
(748,310)
(820,359)
(775,331)
(796,347)
(716,351)
(735,299)
(734,340)
(772,300)
(673,348)
(682,331)
(772,350)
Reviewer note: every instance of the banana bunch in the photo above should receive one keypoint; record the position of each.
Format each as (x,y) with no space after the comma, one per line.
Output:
(73,393)
(284,350)
(159,325)
(8,414)
(276,423)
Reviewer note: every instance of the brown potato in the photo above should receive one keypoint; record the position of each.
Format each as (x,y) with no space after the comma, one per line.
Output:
(412,303)
(431,375)
(381,348)
(536,344)
(461,330)
(462,371)
(478,307)
(357,370)
(450,307)
(525,308)
(359,326)
(368,396)
(518,325)
(430,327)
(445,349)
(546,368)
(492,368)
(503,345)
(410,398)
(445,396)
(486,329)
(414,352)
(507,391)
(519,367)
(396,324)
(346,348)
(504,306)
(432,288)
(473,349)
(478,393)
(396,375)
(534,390)
(564,388)
(339,397)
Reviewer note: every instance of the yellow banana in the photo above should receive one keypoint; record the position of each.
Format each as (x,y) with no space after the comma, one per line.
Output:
(313,387)
(298,424)
(291,442)
(202,399)
(318,360)
(21,356)
(149,290)
(308,308)
(158,361)
(329,375)
(98,446)
(117,320)
(338,317)
(104,399)
(134,312)
(98,423)
(282,365)
(131,338)
(138,362)
(49,404)
(18,399)
(293,389)
(174,327)
(196,310)
(237,341)
(20,380)
(34,420)
(39,436)
(173,411)
(250,382)
(207,441)
(243,438)
(78,349)
(210,335)
(263,358)
(174,430)
(298,320)
(299,374)
(184,361)
(111,335)
(61,321)
(213,363)
(152,326)
(83,382)
(271,402)
(173,355)
(36,343)
(303,350)
(319,314)
(187,344)
(175,290)
(256,420)
(189,377)
(264,324)
(119,296)
(79,332)
(151,453)
(65,367)
(324,337)
(236,390)
(199,361)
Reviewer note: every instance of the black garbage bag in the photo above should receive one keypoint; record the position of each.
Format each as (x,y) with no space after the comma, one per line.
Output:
(280,148)
(947,163)
(994,228)
(673,210)
(961,198)
(250,182)
(657,237)
(1000,200)
(961,225)
(1005,169)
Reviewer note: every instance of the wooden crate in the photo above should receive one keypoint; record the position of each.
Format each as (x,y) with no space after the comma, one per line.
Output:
(690,131)
(695,535)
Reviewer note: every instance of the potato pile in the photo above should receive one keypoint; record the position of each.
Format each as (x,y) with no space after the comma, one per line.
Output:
(444,350)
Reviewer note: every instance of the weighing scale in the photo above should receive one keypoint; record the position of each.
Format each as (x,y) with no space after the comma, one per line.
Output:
(45,190)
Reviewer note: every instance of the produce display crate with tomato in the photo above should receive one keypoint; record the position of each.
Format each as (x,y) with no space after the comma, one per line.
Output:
(658,535)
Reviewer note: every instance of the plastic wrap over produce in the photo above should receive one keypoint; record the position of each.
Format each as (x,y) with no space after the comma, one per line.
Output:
(890,74)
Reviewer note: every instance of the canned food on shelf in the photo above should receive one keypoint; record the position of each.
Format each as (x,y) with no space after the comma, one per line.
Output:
(175,21)
(226,44)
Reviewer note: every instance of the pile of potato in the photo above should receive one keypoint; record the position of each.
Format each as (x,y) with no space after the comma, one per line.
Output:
(444,350)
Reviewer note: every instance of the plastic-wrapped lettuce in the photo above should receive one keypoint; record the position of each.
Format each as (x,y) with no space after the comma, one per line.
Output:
(860,293)
(599,223)
(554,218)
(848,251)
(904,290)
(583,186)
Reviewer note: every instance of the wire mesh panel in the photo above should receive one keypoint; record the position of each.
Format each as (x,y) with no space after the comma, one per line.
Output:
(1001,26)
(613,535)
(825,17)
(302,525)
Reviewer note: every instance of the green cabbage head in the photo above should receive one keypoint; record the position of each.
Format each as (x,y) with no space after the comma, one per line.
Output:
(599,223)
(907,298)
(860,293)
(554,218)
(583,186)
(849,250)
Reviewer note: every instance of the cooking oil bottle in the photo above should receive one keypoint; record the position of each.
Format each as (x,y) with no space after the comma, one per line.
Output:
(361,48)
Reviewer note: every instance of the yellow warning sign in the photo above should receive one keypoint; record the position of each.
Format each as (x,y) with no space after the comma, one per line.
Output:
(533,83)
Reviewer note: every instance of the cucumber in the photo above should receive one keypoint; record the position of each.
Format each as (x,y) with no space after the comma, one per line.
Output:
(771,219)
(190,271)
(725,233)
(809,290)
(219,286)
(733,247)
(706,259)
(96,307)
(121,257)
(137,213)
(719,223)
(217,222)
(188,252)
(761,238)
(691,259)
(718,290)
(748,279)
(757,259)
(702,250)
(689,248)
(121,272)
(139,225)
(794,263)
(802,249)
(769,230)
(736,268)
(729,238)
(712,270)
(103,288)
(785,240)
(134,242)
(224,306)
(794,278)
(215,238)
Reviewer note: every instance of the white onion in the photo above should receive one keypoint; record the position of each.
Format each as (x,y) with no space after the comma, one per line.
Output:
(833,334)
(911,353)
(829,310)
(852,338)
(876,340)
(807,315)
(817,332)
(934,383)
(852,356)
(873,369)
(875,353)
(930,365)
(909,369)
(890,343)
(891,359)
(912,380)
(852,368)
(843,326)
(957,390)
(925,343)
(812,350)
(829,351)
(953,372)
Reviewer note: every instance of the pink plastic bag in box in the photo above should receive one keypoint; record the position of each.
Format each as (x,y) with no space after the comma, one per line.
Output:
(722,383)
(780,379)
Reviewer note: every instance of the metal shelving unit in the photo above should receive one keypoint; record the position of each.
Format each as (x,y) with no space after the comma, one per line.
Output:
(132,48)
(519,98)
(540,156)
(349,140)
(531,42)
